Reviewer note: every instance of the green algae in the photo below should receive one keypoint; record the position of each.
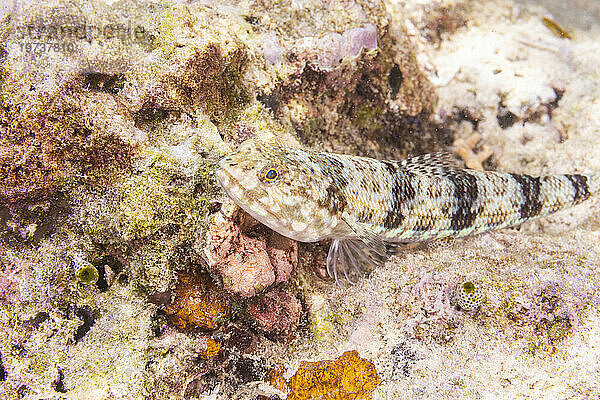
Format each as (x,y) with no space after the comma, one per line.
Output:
(368,117)
(325,326)
(151,267)
(159,196)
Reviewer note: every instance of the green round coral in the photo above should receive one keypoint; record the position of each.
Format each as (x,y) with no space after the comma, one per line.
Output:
(87,274)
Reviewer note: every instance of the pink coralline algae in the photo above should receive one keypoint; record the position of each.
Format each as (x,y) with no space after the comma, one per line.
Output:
(432,295)
(547,303)
(432,292)
(277,313)
(249,264)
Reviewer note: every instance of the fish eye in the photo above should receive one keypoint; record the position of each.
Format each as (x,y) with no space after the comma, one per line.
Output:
(271,174)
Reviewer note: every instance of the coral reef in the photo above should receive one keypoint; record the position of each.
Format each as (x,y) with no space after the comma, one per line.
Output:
(276,313)
(56,138)
(329,50)
(11,277)
(441,19)
(348,78)
(126,273)
(159,196)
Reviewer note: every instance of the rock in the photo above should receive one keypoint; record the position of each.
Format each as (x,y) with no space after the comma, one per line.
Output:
(276,313)
(249,264)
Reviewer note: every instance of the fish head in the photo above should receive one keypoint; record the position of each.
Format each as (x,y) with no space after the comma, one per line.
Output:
(278,187)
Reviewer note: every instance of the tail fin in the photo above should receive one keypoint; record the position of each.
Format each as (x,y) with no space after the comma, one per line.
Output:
(563,191)
(594,183)
(583,186)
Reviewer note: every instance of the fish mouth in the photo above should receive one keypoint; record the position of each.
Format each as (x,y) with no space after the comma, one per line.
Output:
(245,205)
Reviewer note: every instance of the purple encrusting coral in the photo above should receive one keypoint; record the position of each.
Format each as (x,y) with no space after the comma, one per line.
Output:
(328,50)
(356,39)
(272,48)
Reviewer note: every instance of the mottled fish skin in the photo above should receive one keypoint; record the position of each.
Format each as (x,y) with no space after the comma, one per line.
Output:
(363,204)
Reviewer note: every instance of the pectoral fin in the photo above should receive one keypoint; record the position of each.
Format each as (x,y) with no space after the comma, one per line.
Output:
(366,234)
(350,257)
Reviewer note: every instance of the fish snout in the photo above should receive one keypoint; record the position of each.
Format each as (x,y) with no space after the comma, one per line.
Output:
(223,162)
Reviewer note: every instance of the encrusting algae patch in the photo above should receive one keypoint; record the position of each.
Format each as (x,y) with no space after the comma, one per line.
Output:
(198,303)
(212,349)
(348,377)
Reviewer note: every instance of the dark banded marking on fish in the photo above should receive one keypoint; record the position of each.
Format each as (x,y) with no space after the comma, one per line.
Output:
(401,192)
(465,194)
(335,200)
(530,188)
(580,187)
(333,169)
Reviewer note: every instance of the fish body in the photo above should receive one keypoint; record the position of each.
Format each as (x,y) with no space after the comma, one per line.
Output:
(364,204)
